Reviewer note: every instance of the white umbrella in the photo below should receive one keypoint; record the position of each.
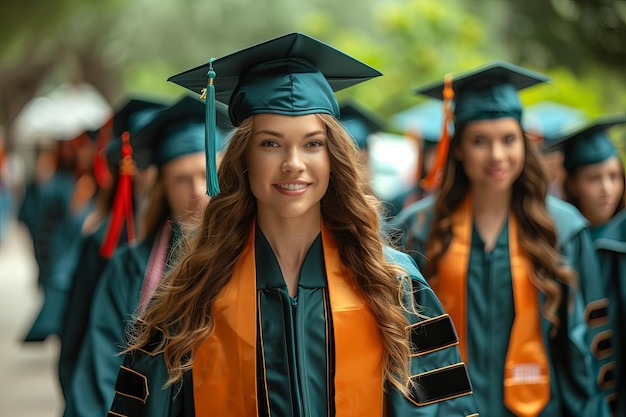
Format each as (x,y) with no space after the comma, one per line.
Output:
(62,114)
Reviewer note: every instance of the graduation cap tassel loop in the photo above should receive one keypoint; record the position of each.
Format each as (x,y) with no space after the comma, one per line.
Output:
(433,178)
(213,187)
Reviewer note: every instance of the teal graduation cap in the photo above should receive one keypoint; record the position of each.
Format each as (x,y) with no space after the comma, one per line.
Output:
(130,117)
(294,74)
(487,92)
(359,122)
(589,144)
(549,120)
(174,132)
(424,119)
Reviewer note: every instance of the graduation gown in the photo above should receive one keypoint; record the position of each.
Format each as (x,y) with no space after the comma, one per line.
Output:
(611,249)
(117,293)
(43,208)
(88,271)
(296,357)
(490,313)
(64,251)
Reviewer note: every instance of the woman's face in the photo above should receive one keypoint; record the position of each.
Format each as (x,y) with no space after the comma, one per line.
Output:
(598,189)
(288,164)
(492,153)
(184,183)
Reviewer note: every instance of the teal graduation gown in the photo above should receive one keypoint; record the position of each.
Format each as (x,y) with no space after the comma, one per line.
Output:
(84,281)
(611,249)
(296,357)
(64,254)
(490,313)
(115,301)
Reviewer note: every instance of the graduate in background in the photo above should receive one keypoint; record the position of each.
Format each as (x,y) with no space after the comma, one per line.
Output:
(595,185)
(423,124)
(360,123)
(595,178)
(97,226)
(174,142)
(286,300)
(60,205)
(545,123)
(511,267)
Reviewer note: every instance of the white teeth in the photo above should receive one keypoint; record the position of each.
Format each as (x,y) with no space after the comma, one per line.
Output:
(292,187)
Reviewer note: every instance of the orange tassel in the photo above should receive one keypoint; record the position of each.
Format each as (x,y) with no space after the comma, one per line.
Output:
(433,178)
(122,209)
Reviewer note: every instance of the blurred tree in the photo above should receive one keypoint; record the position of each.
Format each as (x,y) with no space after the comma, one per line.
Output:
(45,43)
(124,47)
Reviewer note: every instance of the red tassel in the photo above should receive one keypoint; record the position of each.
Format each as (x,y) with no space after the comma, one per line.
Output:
(433,178)
(122,209)
(100,166)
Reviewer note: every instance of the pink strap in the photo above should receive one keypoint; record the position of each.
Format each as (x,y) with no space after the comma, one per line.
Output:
(156,265)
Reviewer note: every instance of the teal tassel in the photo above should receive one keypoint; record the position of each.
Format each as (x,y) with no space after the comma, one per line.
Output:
(213,187)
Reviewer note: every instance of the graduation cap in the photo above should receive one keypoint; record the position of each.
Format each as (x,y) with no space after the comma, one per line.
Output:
(549,120)
(176,131)
(130,117)
(359,122)
(294,74)
(485,93)
(589,144)
(424,119)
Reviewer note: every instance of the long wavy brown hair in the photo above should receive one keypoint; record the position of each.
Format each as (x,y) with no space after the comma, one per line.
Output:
(183,304)
(537,232)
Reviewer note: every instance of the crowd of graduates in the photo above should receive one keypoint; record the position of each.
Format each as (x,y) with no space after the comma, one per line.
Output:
(514,216)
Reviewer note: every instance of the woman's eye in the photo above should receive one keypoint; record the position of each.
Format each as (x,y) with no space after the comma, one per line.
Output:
(315,144)
(269,143)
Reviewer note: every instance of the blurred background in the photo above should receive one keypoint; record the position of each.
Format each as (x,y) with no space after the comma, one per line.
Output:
(87,56)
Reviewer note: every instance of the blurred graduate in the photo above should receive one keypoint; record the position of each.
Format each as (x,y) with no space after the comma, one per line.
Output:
(54,208)
(109,224)
(174,142)
(511,267)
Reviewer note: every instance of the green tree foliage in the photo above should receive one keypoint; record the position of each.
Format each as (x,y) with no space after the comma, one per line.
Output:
(127,47)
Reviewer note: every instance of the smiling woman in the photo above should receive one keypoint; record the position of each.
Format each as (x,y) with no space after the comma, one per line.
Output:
(512,267)
(286,300)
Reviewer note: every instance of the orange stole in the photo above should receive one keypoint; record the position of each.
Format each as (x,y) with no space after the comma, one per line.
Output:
(224,372)
(526,378)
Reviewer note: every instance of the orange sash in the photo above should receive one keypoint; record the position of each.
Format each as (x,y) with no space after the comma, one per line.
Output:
(526,374)
(224,372)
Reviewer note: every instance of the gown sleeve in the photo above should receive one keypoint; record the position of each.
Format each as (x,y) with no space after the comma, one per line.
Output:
(583,371)
(440,384)
(141,391)
(114,302)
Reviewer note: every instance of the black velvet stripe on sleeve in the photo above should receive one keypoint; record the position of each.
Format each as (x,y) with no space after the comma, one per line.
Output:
(433,334)
(440,384)
(131,394)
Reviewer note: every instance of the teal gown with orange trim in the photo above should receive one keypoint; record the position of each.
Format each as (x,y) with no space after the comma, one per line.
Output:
(490,313)
(295,354)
